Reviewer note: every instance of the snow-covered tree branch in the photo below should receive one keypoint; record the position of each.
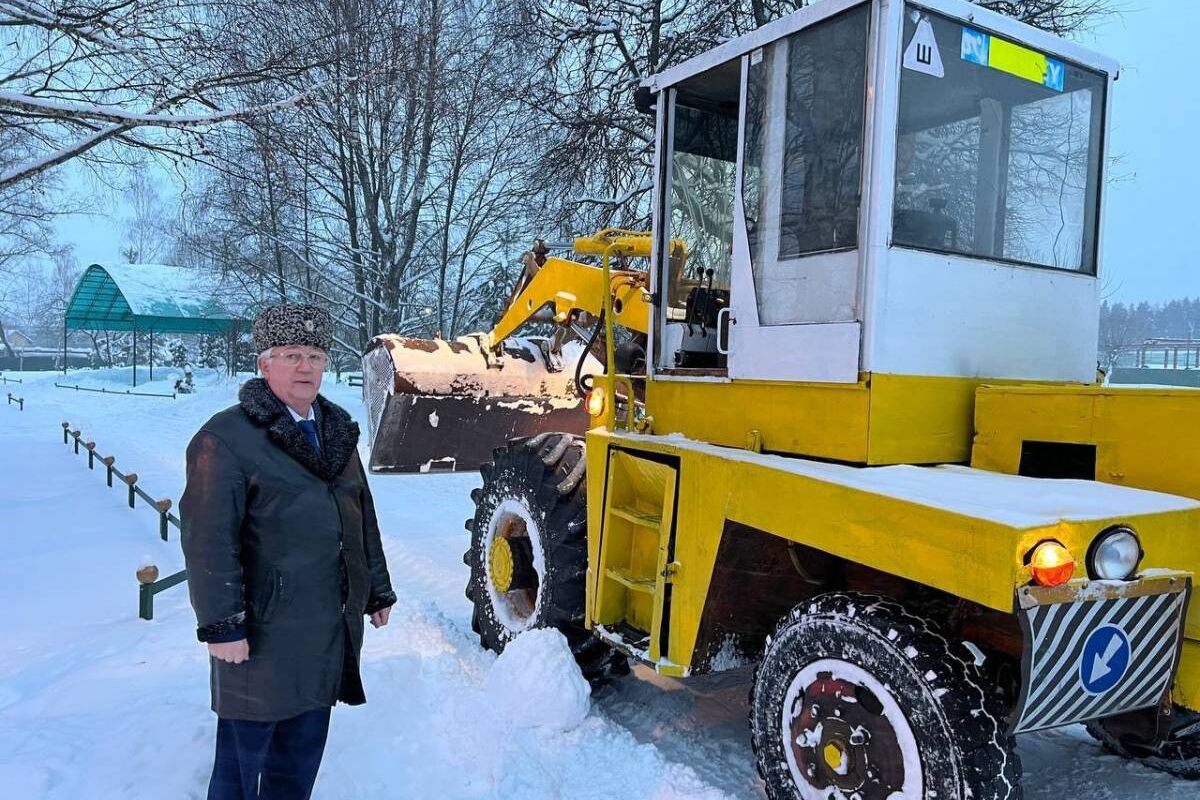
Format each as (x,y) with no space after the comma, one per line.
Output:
(78,75)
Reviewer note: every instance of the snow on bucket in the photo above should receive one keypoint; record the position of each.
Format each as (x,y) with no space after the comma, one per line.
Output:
(535,683)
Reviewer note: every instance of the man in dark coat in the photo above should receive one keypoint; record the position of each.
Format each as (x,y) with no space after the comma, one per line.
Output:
(284,560)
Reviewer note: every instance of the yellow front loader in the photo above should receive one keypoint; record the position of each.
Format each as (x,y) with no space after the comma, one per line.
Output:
(442,406)
(867,452)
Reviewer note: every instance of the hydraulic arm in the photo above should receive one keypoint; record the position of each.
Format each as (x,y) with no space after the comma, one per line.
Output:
(567,287)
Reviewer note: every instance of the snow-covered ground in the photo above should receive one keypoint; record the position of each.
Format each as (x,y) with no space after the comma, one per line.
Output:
(96,703)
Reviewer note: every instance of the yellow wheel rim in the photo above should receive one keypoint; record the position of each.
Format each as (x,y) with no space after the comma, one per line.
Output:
(500,561)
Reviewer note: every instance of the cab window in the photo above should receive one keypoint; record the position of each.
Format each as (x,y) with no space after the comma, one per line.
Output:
(698,249)
(998,152)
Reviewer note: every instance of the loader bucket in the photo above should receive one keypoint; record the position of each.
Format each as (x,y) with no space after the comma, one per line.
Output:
(438,406)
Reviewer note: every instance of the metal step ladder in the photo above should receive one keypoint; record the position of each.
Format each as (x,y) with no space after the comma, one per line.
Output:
(636,565)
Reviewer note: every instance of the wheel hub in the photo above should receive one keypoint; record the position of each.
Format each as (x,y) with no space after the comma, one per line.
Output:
(501,562)
(513,578)
(834,752)
(839,738)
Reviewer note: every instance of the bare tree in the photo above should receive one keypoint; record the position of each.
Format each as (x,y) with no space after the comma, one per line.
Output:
(34,294)
(389,199)
(1122,327)
(146,235)
(1057,16)
(391,157)
(79,74)
(26,213)
(107,82)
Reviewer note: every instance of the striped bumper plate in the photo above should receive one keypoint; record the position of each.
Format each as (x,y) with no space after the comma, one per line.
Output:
(1098,649)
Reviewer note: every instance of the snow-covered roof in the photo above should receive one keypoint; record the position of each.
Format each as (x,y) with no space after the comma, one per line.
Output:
(156,297)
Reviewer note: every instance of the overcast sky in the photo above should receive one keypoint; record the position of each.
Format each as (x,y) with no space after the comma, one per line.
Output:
(1152,224)
(1152,228)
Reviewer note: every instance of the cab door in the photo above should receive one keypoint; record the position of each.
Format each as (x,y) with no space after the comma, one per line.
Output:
(696,220)
(796,268)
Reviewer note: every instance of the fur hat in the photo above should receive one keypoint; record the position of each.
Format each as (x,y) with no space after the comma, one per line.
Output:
(279,326)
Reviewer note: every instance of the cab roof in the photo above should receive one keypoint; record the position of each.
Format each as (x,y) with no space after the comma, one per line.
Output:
(968,12)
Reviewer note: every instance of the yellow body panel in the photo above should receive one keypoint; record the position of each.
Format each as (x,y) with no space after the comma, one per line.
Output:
(921,419)
(1145,437)
(822,419)
(882,419)
(974,558)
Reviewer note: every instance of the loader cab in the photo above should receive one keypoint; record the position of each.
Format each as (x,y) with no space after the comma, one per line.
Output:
(880,186)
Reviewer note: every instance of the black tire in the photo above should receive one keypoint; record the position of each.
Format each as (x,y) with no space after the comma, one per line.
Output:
(1179,757)
(875,668)
(541,478)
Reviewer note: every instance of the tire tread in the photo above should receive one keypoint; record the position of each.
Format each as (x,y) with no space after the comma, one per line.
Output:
(535,467)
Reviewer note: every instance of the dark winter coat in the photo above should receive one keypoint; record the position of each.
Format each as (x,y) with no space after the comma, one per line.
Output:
(282,544)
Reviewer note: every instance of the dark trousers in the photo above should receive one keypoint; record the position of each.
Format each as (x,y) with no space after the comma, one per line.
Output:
(268,760)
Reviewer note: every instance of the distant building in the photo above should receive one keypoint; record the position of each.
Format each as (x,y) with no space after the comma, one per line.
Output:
(18,340)
(29,353)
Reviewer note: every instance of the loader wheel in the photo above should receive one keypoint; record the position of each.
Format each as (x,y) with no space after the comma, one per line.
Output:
(855,697)
(528,554)
(1179,757)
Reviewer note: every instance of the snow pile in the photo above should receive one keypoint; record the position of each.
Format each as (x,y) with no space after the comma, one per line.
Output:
(535,683)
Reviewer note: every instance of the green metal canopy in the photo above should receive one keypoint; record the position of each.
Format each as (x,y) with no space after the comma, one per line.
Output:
(150,297)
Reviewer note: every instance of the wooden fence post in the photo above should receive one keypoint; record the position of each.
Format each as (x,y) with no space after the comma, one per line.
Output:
(163,506)
(131,480)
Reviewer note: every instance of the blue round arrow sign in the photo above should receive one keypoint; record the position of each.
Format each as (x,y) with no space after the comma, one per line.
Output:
(1105,659)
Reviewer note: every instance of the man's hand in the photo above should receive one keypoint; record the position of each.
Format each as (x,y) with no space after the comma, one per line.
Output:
(380,617)
(232,652)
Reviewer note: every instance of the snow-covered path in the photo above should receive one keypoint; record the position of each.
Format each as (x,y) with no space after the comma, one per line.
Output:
(95,703)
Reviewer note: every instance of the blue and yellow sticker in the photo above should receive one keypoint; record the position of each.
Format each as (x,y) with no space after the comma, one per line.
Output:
(989,51)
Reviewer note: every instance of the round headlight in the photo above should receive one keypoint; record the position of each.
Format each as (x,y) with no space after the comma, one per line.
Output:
(1114,555)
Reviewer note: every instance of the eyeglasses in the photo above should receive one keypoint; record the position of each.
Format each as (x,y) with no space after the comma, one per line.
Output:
(315,360)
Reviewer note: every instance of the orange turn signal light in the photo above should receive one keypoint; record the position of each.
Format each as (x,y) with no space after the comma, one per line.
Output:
(593,401)
(1051,564)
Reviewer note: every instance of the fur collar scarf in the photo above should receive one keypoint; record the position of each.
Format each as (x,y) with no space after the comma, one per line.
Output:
(338,433)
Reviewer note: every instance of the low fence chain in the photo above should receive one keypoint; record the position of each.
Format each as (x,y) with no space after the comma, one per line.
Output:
(102,390)
(5,379)
(18,401)
(149,583)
